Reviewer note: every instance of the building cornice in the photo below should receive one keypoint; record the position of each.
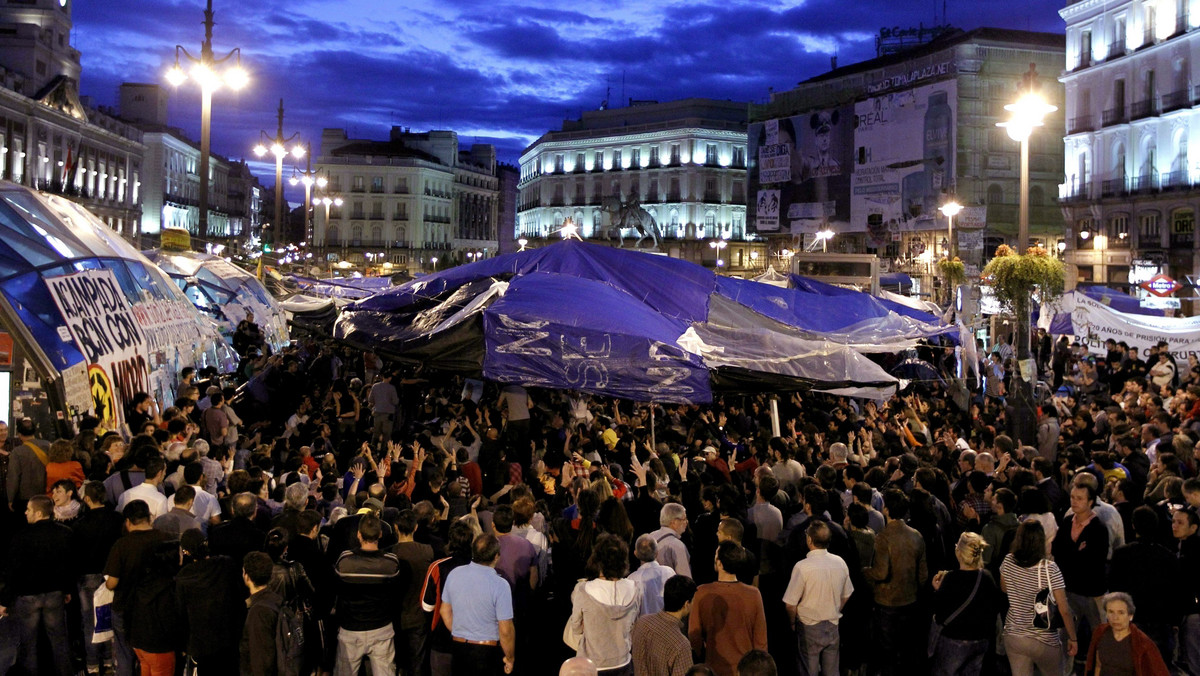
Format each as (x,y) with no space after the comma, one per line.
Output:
(548,143)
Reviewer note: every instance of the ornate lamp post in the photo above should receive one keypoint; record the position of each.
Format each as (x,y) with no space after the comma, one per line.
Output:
(278,147)
(1027,113)
(309,178)
(205,72)
(950,210)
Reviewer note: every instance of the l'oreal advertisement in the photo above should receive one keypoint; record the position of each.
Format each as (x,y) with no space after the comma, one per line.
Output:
(904,159)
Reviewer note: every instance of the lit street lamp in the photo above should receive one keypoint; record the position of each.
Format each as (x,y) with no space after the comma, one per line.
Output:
(522,242)
(309,178)
(1027,114)
(823,236)
(278,147)
(205,72)
(434,262)
(719,245)
(950,210)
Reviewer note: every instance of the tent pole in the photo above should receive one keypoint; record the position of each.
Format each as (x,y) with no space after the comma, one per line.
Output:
(775,417)
(653,443)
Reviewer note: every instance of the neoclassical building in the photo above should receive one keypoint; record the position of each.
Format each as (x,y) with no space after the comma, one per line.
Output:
(406,201)
(52,140)
(1131,188)
(684,161)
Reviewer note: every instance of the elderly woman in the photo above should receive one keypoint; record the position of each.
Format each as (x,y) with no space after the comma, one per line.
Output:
(1119,647)
(966,602)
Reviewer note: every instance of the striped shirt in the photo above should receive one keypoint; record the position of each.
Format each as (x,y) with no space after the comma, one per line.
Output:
(1022,586)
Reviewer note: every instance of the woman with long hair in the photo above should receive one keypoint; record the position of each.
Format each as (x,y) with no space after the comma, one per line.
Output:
(604,608)
(966,602)
(1024,574)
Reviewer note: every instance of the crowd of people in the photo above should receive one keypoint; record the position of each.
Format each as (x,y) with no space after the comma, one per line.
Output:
(337,514)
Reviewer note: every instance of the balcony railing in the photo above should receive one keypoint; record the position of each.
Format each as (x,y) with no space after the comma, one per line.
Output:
(1081,124)
(1181,24)
(1142,109)
(1145,183)
(1078,193)
(1085,60)
(1148,37)
(1175,100)
(1113,187)
(1114,116)
(1116,50)
(1174,180)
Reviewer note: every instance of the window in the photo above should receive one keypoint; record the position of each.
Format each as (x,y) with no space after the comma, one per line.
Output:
(674,153)
(356,236)
(331,235)
(1118,231)
(739,156)
(635,158)
(710,156)
(652,195)
(654,156)
(377,210)
(580,161)
(376,236)
(402,185)
(1085,48)
(995,194)
(558,163)
(377,184)
(357,186)
(579,192)
(616,163)
(598,161)
(710,190)
(1148,229)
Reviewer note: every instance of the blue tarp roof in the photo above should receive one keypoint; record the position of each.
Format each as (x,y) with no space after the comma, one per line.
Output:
(611,320)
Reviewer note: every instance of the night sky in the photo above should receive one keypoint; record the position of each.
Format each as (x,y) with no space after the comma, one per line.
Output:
(495,71)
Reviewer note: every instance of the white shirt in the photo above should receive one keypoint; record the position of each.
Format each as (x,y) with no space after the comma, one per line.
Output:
(652,577)
(148,494)
(205,507)
(819,587)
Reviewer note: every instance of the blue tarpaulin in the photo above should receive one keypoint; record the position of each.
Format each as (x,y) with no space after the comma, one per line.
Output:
(628,324)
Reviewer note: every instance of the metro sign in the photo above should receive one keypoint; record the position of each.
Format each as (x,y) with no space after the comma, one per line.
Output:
(1161,286)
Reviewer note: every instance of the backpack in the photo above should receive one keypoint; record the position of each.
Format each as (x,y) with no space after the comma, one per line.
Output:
(289,640)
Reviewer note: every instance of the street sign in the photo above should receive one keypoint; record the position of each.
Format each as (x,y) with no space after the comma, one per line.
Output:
(1161,286)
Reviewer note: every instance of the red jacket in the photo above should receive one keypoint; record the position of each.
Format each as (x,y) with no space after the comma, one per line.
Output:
(1146,659)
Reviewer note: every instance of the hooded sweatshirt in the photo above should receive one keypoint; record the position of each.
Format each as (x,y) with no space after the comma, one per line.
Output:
(602,617)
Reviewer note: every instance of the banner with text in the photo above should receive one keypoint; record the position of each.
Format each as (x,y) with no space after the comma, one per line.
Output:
(109,333)
(1094,322)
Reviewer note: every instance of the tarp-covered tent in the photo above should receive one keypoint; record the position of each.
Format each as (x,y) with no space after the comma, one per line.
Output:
(353,288)
(627,324)
(223,291)
(1119,301)
(91,319)
(312,313)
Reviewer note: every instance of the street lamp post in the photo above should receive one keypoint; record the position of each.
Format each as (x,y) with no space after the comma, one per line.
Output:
(278,148)
(309,178)
(327,201)
(1027,113)
(950,210)
(825,235)
(204,71)
(719,245)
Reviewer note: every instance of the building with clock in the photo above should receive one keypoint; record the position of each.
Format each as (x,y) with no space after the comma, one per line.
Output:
(50,139)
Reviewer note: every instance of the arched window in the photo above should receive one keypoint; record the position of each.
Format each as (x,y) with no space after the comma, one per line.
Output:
(995,194)
(356,235)
(1036,196)
(376,235)
(331,235)
(401,234)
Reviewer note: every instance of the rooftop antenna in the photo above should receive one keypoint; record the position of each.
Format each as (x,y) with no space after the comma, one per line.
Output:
(622,84)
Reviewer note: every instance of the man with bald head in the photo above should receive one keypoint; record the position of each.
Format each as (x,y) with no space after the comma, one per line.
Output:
(578,666)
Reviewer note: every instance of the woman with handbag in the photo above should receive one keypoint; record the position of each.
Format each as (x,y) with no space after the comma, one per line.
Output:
(1037,599)
(966,602)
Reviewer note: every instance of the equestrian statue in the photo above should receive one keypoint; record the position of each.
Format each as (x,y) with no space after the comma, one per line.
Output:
(630,214)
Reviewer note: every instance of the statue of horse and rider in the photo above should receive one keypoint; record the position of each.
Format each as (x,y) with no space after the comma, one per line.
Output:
(630,215)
